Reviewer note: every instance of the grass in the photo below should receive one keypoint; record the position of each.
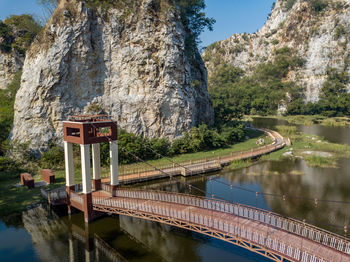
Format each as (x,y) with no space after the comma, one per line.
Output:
(13,199)
(302,142)
(237,164)
(319,161)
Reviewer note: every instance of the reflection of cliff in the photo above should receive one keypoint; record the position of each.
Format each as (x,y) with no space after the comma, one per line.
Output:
(55,240)
(45,229)
(161,239)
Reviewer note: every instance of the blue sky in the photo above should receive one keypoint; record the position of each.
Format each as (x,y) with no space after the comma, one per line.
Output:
(232,16)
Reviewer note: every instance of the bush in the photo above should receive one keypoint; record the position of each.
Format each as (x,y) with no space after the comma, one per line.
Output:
(288,5)
(18,32)
(319,5)
(7,99)
(53,158)
(8,165)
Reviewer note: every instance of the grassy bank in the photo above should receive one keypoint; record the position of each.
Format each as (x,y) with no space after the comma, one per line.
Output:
(15,199)
(316,151)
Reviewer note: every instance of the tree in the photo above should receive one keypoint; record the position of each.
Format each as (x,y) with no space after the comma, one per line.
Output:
(49,7)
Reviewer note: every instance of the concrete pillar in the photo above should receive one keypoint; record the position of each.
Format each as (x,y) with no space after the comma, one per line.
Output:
(68,158)
(96,166)
(113,153)
(69,163)
(86,178)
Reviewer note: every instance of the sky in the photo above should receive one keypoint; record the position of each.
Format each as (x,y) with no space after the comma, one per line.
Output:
(232,16)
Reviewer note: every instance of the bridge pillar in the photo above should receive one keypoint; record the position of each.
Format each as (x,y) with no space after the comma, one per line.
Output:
(96,167)
(86,130)
(113,152)
(86,178)
(69,164)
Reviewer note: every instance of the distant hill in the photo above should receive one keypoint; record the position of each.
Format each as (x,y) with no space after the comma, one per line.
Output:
(301,53)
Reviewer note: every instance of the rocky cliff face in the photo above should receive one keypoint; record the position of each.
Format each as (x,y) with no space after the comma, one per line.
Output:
(10,63)
(131,65)
(318,30)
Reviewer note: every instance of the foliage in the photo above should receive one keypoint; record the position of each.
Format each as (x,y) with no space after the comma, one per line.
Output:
(334,100)
(7,164)
(234,94)
(53,158)
(7,99)
(49,7)
(6,38)
(288,5)
(18,32)
(318,5)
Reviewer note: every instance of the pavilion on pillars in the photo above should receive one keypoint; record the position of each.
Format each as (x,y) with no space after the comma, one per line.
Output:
(89,130)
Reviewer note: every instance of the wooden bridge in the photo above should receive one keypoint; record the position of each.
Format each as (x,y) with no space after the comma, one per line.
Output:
(201,166)
(266,233)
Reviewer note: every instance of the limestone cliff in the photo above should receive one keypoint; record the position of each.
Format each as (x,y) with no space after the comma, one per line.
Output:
(129,63)
(318,30)
(10,63)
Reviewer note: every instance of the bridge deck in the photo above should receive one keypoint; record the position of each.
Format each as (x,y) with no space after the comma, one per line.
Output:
(255,228)
(260,237)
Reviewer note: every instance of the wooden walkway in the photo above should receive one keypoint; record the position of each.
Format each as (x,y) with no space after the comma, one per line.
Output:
(260,231)
(200,166)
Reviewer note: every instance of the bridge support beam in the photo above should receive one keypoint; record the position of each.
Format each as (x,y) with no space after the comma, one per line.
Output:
(86,178)
(96,167)
(113,153)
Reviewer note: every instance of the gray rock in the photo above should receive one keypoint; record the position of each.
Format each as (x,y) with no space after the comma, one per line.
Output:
(134,68)
(9,65)
(313,36)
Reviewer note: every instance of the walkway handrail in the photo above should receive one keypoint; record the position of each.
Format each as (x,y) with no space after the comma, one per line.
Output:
(246,153)
(291,225)
(206,223)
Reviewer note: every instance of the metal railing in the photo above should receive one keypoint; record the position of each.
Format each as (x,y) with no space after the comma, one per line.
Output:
(290,225)
(126,172)
(76,197)
(212,222)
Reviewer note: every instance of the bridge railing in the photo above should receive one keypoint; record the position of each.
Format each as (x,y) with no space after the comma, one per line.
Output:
(294,226)
(76,197)
(210,223)
(126,171)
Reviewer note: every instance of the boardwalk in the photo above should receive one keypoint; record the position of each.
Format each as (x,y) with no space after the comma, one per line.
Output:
(200,166)
(260,231)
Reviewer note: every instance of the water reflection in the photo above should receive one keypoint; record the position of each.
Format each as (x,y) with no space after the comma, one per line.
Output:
(334,134)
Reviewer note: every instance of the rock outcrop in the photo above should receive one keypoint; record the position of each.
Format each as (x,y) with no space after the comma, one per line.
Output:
(317,30)
(130,64)
(10,64)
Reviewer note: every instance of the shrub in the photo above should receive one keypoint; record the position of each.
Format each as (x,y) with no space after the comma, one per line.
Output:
(7,165)
(319,5)
(288,5)
(19,32)
(53,158)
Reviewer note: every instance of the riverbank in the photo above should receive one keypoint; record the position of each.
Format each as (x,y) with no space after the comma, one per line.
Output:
(315,150)
(16,199)
(307,120)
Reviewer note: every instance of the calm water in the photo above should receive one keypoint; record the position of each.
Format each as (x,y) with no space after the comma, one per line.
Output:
(46,235)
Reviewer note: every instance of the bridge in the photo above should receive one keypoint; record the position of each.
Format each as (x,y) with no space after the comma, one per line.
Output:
(266,233)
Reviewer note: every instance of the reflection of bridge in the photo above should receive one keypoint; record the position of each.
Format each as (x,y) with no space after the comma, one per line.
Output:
(263,232)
